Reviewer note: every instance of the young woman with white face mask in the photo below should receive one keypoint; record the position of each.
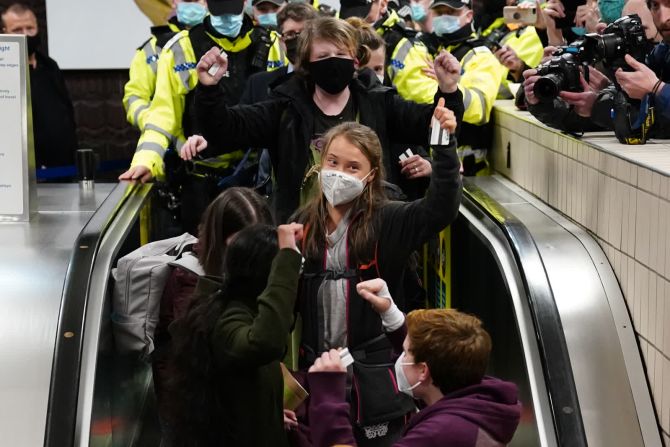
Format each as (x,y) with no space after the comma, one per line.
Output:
(353,234)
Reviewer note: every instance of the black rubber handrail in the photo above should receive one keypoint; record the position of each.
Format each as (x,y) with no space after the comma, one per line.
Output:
(66,367)
(564,401)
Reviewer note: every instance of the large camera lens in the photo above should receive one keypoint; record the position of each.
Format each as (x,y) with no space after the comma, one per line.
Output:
(611,46)
(548,86)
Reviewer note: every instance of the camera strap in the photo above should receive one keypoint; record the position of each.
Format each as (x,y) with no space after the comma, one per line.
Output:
(637,132)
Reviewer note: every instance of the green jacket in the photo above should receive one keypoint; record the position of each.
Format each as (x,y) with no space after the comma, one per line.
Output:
(248,343)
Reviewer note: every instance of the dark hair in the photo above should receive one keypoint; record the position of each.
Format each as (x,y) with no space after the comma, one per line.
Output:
(298,12)
(453,344)
(361,231)
(232,210)
(195,409)
(248,259)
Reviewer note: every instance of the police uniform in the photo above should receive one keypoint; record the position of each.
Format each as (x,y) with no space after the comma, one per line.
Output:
(169,122)
(480,81)
(140,88)
(525,42)
(170,119)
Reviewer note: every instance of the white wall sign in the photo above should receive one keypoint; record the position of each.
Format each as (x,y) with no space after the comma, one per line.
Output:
(17,179)
(95,34)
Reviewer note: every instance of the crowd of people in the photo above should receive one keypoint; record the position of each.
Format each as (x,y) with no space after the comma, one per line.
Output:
(334,117)
(261,112)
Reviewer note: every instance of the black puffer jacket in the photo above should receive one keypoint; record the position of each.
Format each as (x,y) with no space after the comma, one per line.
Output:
(285,125)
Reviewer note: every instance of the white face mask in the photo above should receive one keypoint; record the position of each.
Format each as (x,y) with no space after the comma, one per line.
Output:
(381,78)
(403,383)
(340,188)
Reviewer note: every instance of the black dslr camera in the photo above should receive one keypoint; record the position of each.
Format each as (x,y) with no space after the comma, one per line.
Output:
(623,36)
(561,73)
(492,40)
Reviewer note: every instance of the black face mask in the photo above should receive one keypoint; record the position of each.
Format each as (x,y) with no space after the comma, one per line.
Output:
(34,42)
(292,49)
(332,74)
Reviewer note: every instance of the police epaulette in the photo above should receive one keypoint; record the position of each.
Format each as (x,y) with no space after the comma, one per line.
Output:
(174,39)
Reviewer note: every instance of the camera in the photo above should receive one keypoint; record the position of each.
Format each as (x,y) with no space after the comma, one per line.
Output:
(624,36)
(560,73)
(492,40)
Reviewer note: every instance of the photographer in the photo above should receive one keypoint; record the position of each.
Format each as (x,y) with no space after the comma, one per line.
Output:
(569,111)
(584,106)
(648,82)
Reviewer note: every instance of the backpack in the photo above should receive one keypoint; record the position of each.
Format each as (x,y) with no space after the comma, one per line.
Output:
(139,282)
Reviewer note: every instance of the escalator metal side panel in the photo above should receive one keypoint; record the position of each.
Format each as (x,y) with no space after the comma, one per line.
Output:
(494,239)
(620,327)
(65,372)
(96,316)
(32,275)
(553,351)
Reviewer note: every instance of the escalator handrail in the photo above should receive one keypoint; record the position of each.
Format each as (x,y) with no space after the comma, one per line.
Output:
(564,402)
(65,371)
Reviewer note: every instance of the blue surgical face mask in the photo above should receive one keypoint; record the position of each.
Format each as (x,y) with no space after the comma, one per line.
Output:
(268,20)
(610,10)
(445,24)
(228,24)
(578,30)
(191,14)
(418,12)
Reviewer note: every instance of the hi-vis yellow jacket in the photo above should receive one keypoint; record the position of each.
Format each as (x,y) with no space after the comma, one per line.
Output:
(480,78)
(140,88)
(526,44)
(405,66)
(176,77)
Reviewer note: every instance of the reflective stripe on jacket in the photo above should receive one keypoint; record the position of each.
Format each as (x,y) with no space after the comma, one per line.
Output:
(480,79)
(176,78)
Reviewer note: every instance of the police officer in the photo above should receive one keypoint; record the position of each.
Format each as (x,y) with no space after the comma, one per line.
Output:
(265,12)
(140,88)
(250,49)
(517,47)
(480,81)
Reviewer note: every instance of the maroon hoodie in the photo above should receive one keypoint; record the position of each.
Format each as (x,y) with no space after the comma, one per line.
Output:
(482,415)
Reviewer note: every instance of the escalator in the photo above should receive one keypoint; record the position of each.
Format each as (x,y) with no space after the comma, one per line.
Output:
(559,324)
(540,284)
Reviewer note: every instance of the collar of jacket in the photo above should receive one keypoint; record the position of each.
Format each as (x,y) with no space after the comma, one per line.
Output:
(497,23)
(458,40)
(159,30)
(388,21)
(242,41)
(174,25)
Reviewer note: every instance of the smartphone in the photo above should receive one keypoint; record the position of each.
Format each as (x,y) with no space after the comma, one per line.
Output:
(524,16)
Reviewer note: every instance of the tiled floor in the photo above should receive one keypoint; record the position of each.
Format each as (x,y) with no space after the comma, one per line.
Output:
(619,193)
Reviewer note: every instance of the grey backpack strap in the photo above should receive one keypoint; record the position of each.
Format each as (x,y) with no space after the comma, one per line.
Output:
(189,261)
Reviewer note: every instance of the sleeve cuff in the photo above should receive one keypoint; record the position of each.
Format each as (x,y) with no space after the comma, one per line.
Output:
(327,386)
(449,97)
(663,100)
